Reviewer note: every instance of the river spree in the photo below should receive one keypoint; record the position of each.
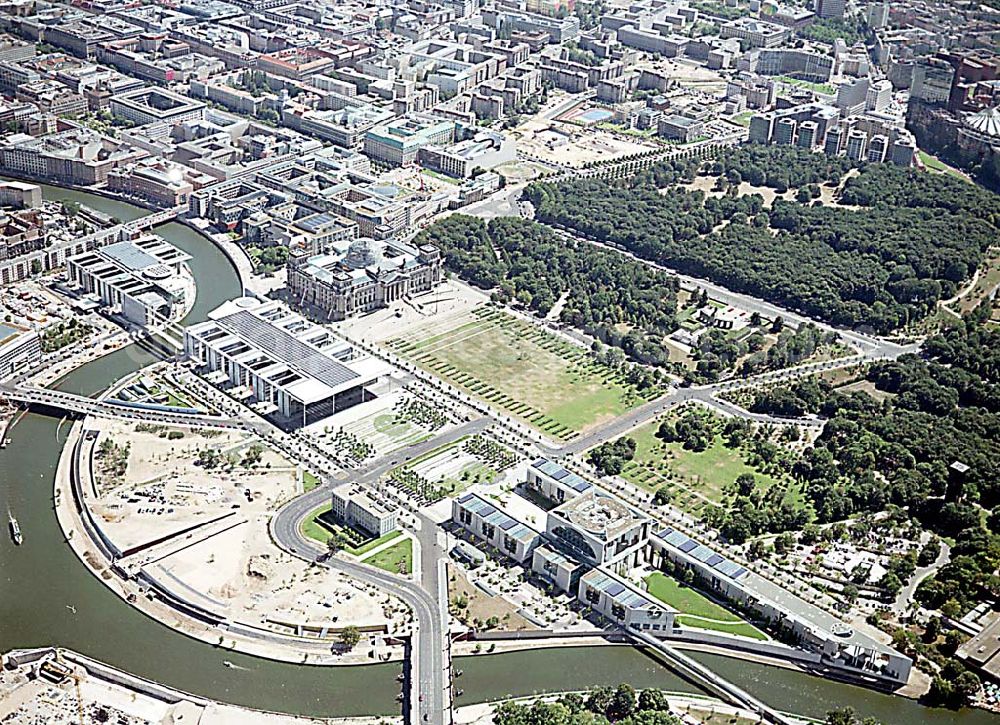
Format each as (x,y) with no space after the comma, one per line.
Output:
(42,583)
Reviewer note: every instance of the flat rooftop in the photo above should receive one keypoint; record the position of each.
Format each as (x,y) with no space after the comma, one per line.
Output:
(492,515)
(9,332)
(621,591)
(288,348)
(598,513)
(767,591)
(558,473)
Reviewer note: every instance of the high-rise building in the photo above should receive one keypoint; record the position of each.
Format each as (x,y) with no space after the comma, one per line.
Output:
(932,81)
(903,151)
(878,15)
(856,142)
(761,127)
(784,132)
(834,140)
(830,8)
(878,146)
(879,96)
(851,96)
(808,132)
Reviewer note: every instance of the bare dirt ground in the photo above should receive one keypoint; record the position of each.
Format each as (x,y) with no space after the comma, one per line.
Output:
(483,607)
(202,532)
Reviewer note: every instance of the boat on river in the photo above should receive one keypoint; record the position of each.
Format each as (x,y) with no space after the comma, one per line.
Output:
(15,529)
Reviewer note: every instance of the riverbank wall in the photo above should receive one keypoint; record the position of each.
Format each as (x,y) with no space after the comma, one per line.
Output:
(99,555)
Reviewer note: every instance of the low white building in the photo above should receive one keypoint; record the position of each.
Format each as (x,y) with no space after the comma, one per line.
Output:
(557,568)
(623,603)
(724,318)
(840,645)
(357,508)
(554,481)
(497,528)
(20,348)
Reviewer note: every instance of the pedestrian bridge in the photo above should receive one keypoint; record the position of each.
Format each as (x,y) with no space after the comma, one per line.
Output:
(81,404)
(711,681)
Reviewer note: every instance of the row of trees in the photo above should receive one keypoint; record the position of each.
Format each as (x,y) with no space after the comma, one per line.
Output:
(605,292)
(881,266)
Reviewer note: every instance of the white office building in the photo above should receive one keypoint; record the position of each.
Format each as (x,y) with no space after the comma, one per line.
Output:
(20,349)
(496,527)
(555,482)
(623,603)
(358,508)
(282,364)
(143,279)
(599,529)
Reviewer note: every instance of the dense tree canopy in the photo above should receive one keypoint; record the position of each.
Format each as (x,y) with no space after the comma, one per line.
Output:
(827,30)
(944,407)
(914,238)
(622,302)
(601,706)
(779,167)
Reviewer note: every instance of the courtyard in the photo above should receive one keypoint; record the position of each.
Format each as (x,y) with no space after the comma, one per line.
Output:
(696,610)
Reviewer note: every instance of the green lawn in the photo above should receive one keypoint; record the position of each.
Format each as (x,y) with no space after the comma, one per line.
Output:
(696,480)
(320,526)
(365,548)
(441,177)
(706,472)
(543,380)
(309,481)
(397,559)
(743,119)
(824,88)
(741,629)
(932,162)
(313,528)
(703,612)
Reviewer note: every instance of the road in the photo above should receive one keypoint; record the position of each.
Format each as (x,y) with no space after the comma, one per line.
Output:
(430,663)
(905,596)
(427,669)
(706,395)
(874,347)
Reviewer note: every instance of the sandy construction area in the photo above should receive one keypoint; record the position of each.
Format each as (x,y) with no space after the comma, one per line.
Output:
(572,146)
(201,532)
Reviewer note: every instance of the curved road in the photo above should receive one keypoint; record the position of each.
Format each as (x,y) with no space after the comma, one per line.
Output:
(428,656)
(429,659)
